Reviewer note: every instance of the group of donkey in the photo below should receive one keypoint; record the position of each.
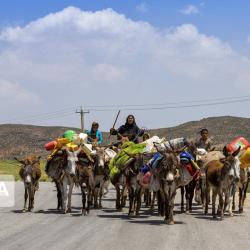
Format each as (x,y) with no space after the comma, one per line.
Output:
(221,176)
(68,168)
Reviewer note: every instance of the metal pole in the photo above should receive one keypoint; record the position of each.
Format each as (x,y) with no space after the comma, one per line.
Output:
(82,113)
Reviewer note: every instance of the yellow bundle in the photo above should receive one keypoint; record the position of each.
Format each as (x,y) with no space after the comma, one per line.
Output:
(245,158)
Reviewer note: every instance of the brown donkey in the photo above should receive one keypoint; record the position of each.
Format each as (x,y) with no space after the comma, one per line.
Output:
(221,177)
(30,173)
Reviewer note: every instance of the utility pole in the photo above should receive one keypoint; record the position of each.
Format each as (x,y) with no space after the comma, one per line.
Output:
(82,113)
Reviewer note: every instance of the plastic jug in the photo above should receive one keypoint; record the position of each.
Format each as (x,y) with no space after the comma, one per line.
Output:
(239,141)
(50,145)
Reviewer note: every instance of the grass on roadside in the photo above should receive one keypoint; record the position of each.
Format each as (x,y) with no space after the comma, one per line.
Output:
(9,167)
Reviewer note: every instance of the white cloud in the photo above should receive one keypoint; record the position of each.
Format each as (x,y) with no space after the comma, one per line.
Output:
(15,94)
(77,57)
(142,7)
(190,10)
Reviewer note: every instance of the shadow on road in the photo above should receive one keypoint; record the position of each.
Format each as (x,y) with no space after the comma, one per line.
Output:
(154,222)
(17,211)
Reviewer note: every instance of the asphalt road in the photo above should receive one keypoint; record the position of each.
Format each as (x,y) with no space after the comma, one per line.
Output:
(107,229)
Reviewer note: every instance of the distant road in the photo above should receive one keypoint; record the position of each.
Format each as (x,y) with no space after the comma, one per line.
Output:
(111,230)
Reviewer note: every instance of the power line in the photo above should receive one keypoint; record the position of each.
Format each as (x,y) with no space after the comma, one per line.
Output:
(168,103)
(174,107)
(130,107)
(41,115)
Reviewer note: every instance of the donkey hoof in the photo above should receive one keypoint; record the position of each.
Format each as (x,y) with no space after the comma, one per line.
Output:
(187,212)
(84,212)
(24,210)
(171,222)
(215,216)
(100,206)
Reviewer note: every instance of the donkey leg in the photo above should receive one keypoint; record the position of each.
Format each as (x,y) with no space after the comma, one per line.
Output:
(221,206)
(124,192)
(214,195)
(187,196)
(228,201)
(89,197)
(207,197)
(25,199)
(30,197)
(166,201)
(83,200)
(118,198)
(153,201)
(244,195)
(138,201)
(131,201)
(192,190)
(171,210)
(182,199)
(96,191)
(100,197)
(69,197)
(233,202)
(241,198)
(64,196)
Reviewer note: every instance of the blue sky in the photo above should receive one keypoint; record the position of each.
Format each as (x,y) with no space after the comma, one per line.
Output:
(53,56)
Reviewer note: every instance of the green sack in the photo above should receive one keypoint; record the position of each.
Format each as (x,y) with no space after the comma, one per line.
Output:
(69,134)
(113,173)
(128,149)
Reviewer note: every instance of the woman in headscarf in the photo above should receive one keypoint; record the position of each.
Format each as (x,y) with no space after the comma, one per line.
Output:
(130,131)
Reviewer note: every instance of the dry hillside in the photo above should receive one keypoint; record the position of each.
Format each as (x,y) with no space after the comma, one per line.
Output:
(21,140)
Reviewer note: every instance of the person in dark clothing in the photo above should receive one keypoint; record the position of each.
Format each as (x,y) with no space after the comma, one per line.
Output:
(130,131)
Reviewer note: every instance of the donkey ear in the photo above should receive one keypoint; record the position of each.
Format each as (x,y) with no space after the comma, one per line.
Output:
(236,152)
(159,148)
(223,160)
(225,152)
(20,161)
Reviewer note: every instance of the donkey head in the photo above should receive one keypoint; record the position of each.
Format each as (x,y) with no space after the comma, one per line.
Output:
(72,158)
(100,157)
(232,164)
(27,168)
(168,164)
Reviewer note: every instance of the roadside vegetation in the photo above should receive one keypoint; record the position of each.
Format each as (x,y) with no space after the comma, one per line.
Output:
(9,167)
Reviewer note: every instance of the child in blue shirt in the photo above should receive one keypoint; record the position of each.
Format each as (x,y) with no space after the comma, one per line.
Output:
(94,135)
